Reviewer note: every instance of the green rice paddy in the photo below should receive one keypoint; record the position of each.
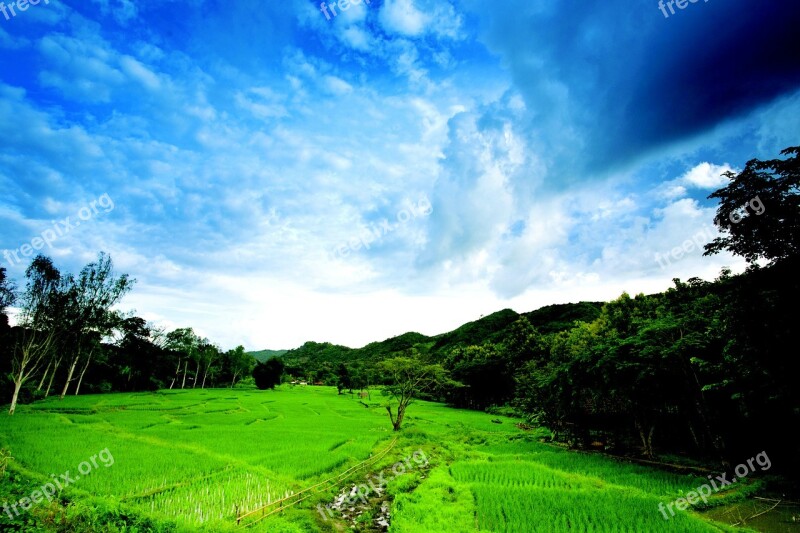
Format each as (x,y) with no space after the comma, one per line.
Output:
(191,460)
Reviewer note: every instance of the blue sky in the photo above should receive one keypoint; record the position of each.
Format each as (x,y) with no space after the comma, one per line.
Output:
(270,176)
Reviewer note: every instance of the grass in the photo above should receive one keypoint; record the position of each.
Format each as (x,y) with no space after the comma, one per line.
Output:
(189,460)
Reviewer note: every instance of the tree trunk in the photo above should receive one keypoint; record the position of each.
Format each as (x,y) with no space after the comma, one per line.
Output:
(203,385)
(177,373)
(52,376)
(196,374)
(80,379)
(69,376)
(646,435)
(26,360)
(398,421)
(185,366)
(694,435)
(233,381)
(17,387)
(44,376)
(401,413)
(391,415)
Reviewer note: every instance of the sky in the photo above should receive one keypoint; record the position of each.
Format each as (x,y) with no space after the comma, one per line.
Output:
(274,172)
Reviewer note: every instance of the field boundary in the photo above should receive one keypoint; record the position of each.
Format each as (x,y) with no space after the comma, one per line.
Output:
(250,518)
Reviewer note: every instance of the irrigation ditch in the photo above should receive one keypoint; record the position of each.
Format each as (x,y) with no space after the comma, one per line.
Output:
(255,516)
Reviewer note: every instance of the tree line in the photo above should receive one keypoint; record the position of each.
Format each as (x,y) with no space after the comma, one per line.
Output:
(69,338)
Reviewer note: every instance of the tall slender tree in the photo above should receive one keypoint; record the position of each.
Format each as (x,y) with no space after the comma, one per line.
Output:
(39,323)
(92,295)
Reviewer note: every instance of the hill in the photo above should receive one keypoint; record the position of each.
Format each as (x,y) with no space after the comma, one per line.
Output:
(263,355)
(558,317)
(324,357)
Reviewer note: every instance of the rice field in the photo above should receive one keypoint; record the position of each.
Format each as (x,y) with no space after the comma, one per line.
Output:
(196,458)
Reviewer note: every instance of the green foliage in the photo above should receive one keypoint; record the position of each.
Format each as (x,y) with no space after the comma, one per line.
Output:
(268,374)
(486,373)
(5,460)
(559,317)
(8,293)
(263,355)
(407,379)
(489,329)
(759,210)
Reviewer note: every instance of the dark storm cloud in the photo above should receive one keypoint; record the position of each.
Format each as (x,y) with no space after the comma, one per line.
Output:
(619,80)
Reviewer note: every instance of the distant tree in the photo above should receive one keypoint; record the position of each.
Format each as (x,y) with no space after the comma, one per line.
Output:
(7,298)
(185,344)
(771,191)
(209,357)
(362,376)
(344,380)
(523,343)
(236,364)
(268,374)
(7,293)
(409,377)
(137,359)
(486,374)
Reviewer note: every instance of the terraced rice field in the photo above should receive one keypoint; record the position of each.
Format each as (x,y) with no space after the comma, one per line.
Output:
(191,460)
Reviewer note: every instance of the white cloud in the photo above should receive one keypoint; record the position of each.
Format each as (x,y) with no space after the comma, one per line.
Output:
(403,17)
(706,176)
(337,85)
(137,71)
(417,18)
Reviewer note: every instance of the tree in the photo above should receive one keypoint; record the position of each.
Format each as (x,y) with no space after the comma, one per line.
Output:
(343,379)
(185,343)
(7,293)
(770,189)
(236,364)
(269,373)
(89,315)
(409,377)
(209,358)
(485,372)
(140,359)
(39,322)
(523,343)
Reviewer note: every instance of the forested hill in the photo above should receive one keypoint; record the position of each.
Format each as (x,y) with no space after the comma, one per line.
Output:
(489,329)
(263,355)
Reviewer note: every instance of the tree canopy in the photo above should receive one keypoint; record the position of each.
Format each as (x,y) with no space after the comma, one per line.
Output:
(760,210)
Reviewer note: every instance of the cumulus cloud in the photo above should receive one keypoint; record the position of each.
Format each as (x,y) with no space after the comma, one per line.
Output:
(706,176)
